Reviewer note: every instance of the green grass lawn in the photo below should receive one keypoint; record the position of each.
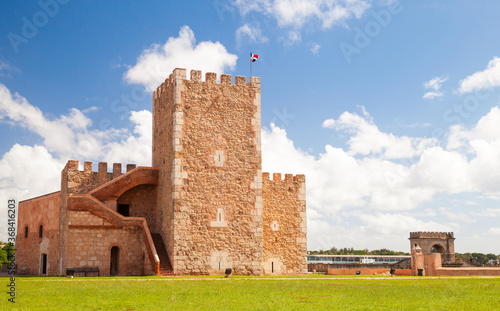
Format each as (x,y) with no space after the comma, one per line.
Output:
(253,293)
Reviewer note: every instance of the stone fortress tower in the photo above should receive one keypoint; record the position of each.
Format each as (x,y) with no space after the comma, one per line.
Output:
(216,208)
(203,206)
(434,242)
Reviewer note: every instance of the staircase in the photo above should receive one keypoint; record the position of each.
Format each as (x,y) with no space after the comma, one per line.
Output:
(165,266)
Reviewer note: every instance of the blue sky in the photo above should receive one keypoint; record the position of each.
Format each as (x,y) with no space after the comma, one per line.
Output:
(390,108)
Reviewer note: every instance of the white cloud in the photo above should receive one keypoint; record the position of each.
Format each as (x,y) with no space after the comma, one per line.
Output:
(368,139)
(29,171)
(157,61)
(6,69)
(488,78)
(249,34)
(374,189)
(399,225)
(293,37)
(494,231)
(68,136)
(456,216)
(488,212)
(432,95)
(134,148)
(297,13)
(71,135)
(434,85)
(315,48)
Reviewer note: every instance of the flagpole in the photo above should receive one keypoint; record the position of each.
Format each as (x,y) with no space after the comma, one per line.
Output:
(251,65)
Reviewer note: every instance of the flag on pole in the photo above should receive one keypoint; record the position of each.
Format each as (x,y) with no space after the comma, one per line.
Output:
(253,57)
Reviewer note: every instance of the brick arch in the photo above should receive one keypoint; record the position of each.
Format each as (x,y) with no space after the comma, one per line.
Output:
(438,247)
(117,244)
(118,186)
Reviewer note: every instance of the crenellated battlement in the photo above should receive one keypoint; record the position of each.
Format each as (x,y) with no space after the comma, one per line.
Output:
(72,165)
(88,179)
(431,235)
(210,78)
(288,177)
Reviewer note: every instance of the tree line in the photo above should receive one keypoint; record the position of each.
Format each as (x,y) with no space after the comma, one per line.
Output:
(352,251)
(478,258)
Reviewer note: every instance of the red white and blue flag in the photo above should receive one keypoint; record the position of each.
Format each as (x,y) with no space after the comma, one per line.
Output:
(253,57)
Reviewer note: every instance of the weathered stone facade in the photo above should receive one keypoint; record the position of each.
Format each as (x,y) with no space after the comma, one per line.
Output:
(205,200)
(30,244)
(285,231)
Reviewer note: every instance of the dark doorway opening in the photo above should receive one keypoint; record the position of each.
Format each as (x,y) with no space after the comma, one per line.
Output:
(437,249)
(115,254)
(124,209)
(44,264)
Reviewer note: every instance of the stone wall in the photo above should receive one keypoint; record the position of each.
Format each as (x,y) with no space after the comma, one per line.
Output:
(41,211)
(74,181)
(142,201)
(213,151)
(284,225)
(91,247)
(164,111)
(433,267)
(82,239)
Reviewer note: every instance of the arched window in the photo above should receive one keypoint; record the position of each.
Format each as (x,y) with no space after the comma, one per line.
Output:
(40,232)
(43,264)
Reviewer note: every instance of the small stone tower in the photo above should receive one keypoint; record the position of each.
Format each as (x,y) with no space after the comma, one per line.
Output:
(434,242)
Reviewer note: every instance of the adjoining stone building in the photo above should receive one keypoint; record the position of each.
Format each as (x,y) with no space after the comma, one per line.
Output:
(202,207)
(433,254)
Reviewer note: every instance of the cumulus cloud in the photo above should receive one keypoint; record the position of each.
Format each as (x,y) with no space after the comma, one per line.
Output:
(488,78)
(29,171)
(494,231)
(249,34)
(158,60)
(434,85)
(297,13)
(67,136)
(368,139)
(373,189)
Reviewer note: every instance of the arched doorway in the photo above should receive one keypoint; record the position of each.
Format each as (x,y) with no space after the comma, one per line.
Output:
(43,264)
(114,262)
(437,249)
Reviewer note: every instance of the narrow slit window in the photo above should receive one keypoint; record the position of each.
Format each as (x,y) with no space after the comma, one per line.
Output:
(26,232)
(40,232)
